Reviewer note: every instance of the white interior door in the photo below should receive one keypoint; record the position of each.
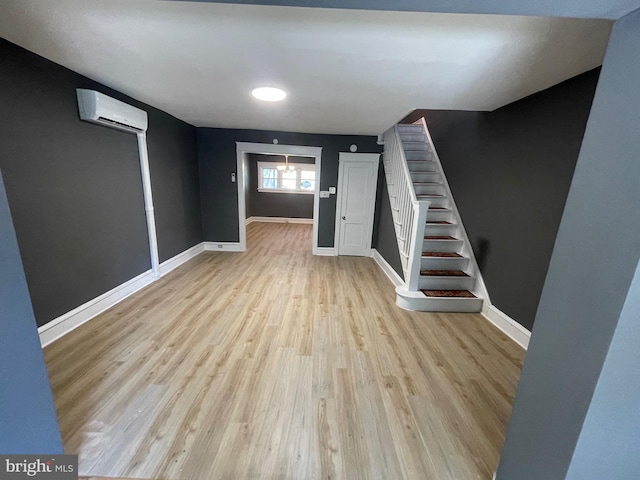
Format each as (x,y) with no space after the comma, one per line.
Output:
(357,182)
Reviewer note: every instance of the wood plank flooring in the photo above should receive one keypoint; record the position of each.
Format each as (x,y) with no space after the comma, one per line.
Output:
(275,364)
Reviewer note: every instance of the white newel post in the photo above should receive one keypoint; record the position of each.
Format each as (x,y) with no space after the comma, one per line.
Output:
(415,251)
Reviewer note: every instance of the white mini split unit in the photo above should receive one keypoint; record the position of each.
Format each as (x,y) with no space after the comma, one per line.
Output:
(98,108)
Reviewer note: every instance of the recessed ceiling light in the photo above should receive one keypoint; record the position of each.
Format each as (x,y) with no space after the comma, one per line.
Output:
(269,94)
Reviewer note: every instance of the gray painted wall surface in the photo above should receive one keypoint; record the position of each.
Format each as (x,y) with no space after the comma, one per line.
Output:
(510,172)
(384,234)
(173,160)
(264,204)
(217,157)
(28,422)
(594,261)
(75,188)
(608,446)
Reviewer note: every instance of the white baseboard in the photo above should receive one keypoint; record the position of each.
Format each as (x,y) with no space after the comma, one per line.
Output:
(387,269)
(62,325)
(85,312)
(504,322)
(223,247)
(325,251)
(175,262)
(508,325)
(278,220)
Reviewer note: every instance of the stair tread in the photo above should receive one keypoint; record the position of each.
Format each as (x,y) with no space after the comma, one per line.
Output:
(449,293)
(429,195)
(439,208)
(439,237)
(443,273)
(431,184)
(438,222)
(442,254)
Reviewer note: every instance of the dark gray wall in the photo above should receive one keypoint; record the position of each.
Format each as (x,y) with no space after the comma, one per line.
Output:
(28,423)
(384,234)
(594,261)
(217,156)
(510,172)
(264,204)
(173,160)
(75,188)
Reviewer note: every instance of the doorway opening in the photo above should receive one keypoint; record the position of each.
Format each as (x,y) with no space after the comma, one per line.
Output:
(246,154)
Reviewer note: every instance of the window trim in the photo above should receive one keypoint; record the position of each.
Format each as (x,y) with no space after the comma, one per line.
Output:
(309,167)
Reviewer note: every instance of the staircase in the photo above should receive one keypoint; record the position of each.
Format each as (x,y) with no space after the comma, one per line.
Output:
(439,268)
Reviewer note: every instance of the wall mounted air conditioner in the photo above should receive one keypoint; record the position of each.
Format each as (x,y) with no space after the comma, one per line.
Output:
(98,108)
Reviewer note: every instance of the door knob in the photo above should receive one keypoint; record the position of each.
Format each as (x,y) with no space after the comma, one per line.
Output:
(344,218)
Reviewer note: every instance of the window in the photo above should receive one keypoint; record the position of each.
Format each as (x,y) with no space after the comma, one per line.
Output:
(300,180)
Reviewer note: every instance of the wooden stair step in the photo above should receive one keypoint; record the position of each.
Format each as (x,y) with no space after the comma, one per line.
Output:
(449,293)
(438,222)
(442,254)
(439,237)
(443,273)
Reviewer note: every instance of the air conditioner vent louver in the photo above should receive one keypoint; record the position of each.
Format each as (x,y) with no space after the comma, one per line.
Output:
(114,122)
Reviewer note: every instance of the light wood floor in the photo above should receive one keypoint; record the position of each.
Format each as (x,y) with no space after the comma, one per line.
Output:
(275,364)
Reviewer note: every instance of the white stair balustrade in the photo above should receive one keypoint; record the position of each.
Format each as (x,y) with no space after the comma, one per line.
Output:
(439,268)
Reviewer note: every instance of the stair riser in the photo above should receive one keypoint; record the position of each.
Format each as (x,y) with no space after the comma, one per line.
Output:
(425,177)
(412,137)
(437,263)
(420,166)
(418,155)
(438,215)
(424,189)
(410,128)
(441,230)
(462,305)
(436,201)
(446,283)
(441,245)
(415,146)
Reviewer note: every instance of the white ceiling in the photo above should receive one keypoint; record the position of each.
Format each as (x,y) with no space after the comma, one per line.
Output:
(345,71)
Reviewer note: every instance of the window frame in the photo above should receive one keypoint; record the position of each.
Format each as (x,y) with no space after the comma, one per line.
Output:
(299,167)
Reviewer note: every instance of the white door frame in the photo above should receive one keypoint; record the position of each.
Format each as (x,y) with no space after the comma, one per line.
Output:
(352,157)
(244,148)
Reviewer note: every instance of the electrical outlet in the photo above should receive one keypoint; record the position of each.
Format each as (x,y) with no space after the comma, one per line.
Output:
(324,194)
(332,190)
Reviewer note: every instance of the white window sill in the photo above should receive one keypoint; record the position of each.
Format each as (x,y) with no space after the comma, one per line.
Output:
(274,190)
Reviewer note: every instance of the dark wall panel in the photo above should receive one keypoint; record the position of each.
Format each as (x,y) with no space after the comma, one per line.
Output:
(217,156)
(510,172)
(75,188)
(384,234)
(173,159)
(28,423)
(265,204)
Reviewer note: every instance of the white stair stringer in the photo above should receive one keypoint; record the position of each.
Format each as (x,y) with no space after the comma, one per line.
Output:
(451,246)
